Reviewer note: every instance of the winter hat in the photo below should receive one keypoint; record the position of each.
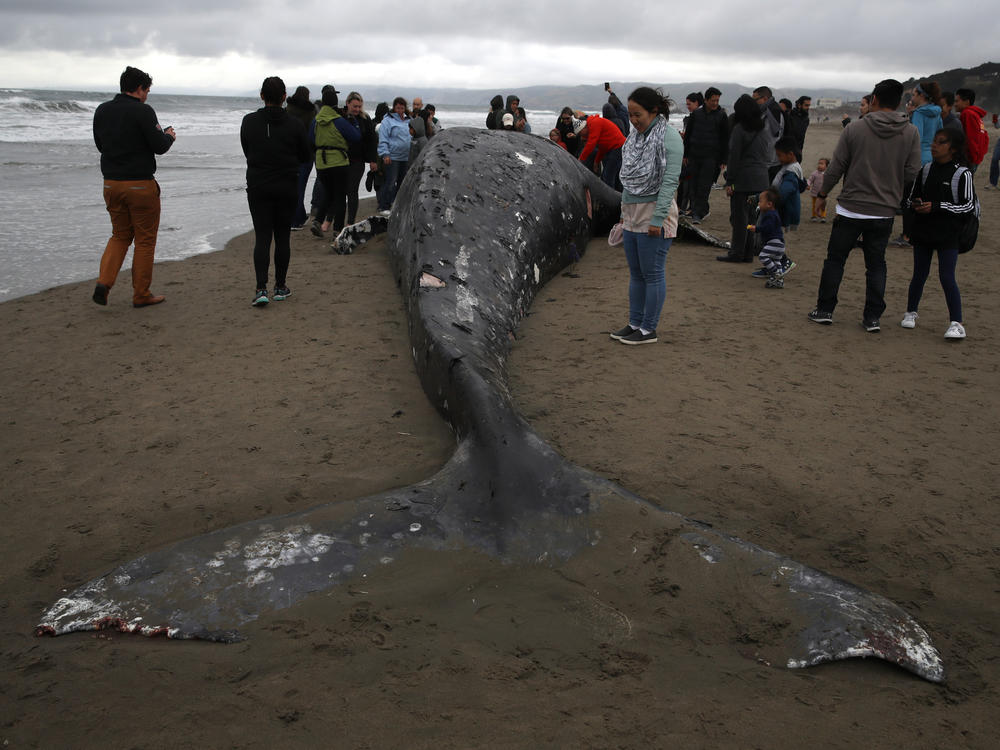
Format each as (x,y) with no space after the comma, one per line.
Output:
(579,125)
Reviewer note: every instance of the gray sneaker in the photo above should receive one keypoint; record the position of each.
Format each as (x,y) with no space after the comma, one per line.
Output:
(622,333)
(823,318)
(638,337)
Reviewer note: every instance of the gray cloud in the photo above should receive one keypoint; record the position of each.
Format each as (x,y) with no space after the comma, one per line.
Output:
(539,41)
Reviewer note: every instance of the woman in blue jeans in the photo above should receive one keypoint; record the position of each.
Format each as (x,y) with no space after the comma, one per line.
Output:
(651,167)
(941,198)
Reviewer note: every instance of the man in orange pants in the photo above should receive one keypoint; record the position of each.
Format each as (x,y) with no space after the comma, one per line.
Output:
(128,136)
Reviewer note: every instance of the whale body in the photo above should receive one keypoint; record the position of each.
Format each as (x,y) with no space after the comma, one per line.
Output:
(482,221)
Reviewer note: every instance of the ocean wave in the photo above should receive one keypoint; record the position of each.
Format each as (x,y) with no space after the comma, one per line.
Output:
(27,104)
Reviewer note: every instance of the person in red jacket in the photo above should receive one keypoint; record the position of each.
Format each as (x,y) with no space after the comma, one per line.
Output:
(977,140)
(605,140)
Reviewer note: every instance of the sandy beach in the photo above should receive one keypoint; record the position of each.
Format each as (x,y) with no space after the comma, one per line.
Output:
(871,457)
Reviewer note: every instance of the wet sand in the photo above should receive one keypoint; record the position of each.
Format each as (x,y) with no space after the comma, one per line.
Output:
(868,456)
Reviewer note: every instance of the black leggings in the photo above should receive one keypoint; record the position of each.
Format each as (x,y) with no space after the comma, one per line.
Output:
(272,207)
(356,170)
(334,180)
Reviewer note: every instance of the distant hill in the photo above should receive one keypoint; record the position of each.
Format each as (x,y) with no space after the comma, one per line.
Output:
(983,79)
(587,97)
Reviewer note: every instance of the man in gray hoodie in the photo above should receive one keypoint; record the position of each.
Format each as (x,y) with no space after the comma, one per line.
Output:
(876,156)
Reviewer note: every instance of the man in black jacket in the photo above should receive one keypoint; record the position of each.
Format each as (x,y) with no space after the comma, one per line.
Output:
(797,122)
(128,136)
(706,149)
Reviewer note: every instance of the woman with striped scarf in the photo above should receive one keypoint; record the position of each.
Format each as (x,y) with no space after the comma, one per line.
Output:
(651,167)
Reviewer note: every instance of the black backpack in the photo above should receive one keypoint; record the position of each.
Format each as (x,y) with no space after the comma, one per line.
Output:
(968,233)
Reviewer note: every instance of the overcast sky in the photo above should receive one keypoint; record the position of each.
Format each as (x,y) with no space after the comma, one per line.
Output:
(229,46)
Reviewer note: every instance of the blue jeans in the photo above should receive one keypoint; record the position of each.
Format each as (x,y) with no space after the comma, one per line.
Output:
(611,166)
(947,260)
(395,171)
(874,235)
(647,285)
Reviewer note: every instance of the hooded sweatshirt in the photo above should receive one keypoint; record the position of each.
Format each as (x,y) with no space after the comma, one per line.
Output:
(496,112)
(977,140)
(876,155)
(274,144)
(927,120)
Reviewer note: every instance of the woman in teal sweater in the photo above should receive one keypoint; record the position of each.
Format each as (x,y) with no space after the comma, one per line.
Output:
(651,167)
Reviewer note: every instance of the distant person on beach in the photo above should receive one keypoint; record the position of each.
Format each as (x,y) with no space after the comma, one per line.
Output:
(691,102)
(275,145)
(876,156)
(521,121)
(651,166)
(129,137)
(706,150)
(994,176)
(393,151)
(977,140)
(604,141)
(750,151)
(376,178)
(301,107)
(432,111)
(774,122)
(925,114)
(496,113)
(772,255)
(360,154)
(421,129)
(941,198)
(789,183)
(815,184)
(797,122)
(949,118)
(331,136)
(564,124)
(620,109)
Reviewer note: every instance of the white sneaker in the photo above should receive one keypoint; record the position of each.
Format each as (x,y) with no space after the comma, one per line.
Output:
(955,331)
(909,320)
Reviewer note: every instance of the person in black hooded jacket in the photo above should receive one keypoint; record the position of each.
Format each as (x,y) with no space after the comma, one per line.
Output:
(275,145)
(496,112)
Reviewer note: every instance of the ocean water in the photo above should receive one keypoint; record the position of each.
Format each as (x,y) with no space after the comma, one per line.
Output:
(53,224)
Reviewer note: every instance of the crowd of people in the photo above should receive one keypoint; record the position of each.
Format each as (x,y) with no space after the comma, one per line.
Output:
(891,163)
(343,144)
(918,163)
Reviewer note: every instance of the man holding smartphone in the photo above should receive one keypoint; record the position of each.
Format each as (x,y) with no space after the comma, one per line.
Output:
(128,136)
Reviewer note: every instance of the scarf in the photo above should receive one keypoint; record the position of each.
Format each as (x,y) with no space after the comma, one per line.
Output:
(644,158)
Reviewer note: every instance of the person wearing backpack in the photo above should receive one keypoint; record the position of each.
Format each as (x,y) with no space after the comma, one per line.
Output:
(943,201)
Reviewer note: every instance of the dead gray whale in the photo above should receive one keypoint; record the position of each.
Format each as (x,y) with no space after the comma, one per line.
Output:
(482,221)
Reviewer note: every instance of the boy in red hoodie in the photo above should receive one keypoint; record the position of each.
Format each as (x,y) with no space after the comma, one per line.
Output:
(977,140)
